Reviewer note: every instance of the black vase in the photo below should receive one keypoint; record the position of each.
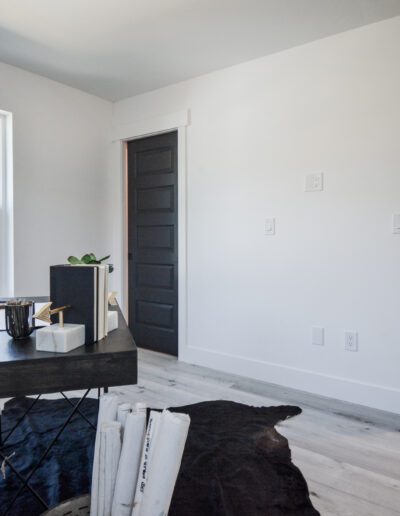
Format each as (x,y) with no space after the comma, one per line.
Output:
(19,319)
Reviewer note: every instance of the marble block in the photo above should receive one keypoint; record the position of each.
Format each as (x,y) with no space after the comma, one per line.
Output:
(112,320)
(60,339)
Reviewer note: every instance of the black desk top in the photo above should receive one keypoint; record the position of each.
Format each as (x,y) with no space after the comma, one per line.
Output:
(108,362)
(118,341)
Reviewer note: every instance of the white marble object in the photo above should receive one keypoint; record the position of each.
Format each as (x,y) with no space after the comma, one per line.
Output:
(60,339)
(112,320)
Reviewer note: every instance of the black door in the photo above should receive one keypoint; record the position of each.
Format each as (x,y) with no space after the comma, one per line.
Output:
(153,242)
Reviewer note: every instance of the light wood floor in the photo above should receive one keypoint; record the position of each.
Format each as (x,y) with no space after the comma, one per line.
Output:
(349,455)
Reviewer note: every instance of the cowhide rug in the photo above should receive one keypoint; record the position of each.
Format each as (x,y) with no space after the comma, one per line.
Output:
(235,462)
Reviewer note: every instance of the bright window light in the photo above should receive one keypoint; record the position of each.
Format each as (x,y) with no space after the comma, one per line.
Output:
(6,206)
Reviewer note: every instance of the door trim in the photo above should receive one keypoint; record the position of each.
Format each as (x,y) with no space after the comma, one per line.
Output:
(150,127)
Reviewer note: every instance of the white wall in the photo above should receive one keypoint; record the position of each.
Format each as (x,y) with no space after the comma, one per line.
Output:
(331,106)
(61,138)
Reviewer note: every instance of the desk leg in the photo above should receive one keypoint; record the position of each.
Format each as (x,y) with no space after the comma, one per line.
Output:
(79,412)
(105,390)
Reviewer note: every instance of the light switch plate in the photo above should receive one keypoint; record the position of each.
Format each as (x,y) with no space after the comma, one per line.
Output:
(396,223)
(314,182)
(318,336)
(270,226)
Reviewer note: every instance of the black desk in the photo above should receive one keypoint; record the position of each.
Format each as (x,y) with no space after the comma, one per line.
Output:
(109,362)
(24,371)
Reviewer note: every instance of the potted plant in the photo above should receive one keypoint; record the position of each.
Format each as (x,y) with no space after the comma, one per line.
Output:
(89,259)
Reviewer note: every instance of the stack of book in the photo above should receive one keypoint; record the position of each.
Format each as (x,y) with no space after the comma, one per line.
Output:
(85,289)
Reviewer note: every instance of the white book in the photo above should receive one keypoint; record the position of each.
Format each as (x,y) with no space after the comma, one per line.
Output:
(101,273)
(106,299)
(101,289)
(95,315)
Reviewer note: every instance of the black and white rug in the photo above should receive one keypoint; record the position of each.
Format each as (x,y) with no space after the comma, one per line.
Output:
(235,462)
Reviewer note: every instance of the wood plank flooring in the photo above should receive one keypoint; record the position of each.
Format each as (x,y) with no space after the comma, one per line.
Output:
(349,455)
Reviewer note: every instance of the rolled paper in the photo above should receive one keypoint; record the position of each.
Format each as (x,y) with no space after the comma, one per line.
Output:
(151,435)
(164,463)
(108,406)
(110,449)
(129,462)
(123,410)
(140,407)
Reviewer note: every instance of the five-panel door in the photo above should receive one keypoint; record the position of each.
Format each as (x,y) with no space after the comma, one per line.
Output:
(153,242)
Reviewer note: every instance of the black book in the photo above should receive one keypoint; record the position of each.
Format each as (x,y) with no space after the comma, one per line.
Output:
(76,286)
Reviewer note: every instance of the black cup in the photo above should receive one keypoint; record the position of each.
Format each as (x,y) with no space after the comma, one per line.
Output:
(19,319)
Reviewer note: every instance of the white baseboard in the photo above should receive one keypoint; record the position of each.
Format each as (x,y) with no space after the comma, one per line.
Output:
(369,395)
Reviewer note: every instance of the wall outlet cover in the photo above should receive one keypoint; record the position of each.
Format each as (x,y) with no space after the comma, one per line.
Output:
(396,223)
(350,341)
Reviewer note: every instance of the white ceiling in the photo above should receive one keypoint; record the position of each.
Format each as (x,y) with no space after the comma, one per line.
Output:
(118,48)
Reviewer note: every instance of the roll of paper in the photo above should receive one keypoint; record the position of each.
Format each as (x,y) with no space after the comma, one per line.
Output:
(110,449)
(123,410)
(165,462)
(147,452)
(107,412)
(129,462)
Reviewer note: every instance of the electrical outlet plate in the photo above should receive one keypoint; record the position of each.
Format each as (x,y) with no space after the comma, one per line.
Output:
(396,223)
(350,341)
(318,336)
(270,226)
(314,182)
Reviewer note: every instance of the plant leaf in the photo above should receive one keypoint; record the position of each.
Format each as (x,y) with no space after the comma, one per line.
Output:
(73,260)
(105,258)
(86,258)
(110,267)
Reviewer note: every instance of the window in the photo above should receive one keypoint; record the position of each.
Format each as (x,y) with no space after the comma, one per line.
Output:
(6,206)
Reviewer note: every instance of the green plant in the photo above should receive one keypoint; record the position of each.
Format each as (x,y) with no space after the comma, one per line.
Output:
(89,259)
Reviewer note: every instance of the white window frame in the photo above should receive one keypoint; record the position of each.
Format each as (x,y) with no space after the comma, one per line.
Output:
(6,206)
